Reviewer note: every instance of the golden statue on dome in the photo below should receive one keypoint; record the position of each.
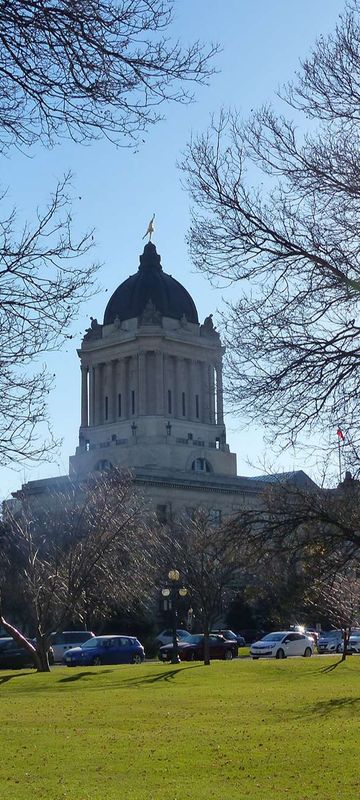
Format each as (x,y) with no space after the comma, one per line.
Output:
(150,228)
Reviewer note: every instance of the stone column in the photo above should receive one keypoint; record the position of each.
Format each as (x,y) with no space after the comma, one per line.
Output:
(193,383)
(99,411)
(219,395)
(142,399)
(122,388)
(84,396)
(112,392)
(177,388)
(211,394)
(133,370)
(204,392)
(92,395)
(159,380)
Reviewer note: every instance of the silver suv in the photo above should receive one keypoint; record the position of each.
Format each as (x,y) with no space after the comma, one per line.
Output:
(64,640)
(166,636)
(330,642)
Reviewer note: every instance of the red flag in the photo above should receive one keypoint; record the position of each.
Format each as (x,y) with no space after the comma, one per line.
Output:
(340,434)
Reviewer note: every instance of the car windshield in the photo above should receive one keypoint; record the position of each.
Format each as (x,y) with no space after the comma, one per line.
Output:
(94,642)
(273,637)
(330,634)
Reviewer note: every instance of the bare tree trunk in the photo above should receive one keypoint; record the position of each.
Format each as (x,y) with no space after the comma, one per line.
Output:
(206,646)
(44,661)
(42,649)
(345,651)
(12,631)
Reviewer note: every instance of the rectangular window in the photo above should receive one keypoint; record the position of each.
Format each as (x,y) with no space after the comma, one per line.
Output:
(106,408)
(197,406)
(169,402)
(133,402)
(183,404)
(119,405)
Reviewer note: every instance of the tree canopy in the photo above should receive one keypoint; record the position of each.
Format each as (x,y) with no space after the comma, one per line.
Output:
(276,206)
(76,555)
(89,68)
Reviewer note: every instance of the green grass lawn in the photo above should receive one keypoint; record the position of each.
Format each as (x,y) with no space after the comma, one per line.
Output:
(242,729)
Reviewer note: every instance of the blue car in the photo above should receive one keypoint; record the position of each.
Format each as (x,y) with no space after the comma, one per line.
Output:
(105,650)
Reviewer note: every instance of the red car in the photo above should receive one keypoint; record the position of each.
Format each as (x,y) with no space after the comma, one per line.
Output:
(192,649)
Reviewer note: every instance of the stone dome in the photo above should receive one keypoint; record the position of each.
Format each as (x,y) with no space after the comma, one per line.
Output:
(150,283)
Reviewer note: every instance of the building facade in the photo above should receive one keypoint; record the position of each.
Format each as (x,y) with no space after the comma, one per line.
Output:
(152,400)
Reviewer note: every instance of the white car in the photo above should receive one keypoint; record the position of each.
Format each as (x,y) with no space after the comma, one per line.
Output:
(166,636)
(281,644)
(354,641)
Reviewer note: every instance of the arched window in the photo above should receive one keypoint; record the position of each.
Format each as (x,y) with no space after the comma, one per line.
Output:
(200,465)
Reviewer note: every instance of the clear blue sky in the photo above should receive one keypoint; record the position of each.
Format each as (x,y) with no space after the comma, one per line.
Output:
(262,43)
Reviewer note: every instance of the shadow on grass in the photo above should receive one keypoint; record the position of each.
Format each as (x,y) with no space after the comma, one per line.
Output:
(331,667)
(325,707)
(6,678)
(325,668)
(166,675)
(79,675)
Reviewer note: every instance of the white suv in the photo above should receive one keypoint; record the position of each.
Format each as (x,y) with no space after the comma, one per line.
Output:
(63,641)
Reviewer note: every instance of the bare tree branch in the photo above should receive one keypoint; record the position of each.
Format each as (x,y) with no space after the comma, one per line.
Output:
(44,276)
(90,69)
(88,549)
(277,209)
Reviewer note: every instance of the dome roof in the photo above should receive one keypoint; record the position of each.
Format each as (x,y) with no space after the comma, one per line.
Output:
(150,283)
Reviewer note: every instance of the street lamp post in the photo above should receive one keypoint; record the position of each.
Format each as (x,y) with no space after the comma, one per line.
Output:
(174,591)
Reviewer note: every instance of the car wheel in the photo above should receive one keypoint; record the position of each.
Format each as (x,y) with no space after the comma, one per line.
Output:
(339,648)
(280,653)
(191,656)
(255,658)
(308,652)
(228,655)
(97,662)
(136,659)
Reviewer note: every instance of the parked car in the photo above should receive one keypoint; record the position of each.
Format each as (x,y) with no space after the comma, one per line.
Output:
(252,635)
(281,644)
(14,656)
(166,636)
(64,640)
(330,642)
(106,650)
(354,641)
(312,632)
(192,648)
(315,635)
(228,634)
